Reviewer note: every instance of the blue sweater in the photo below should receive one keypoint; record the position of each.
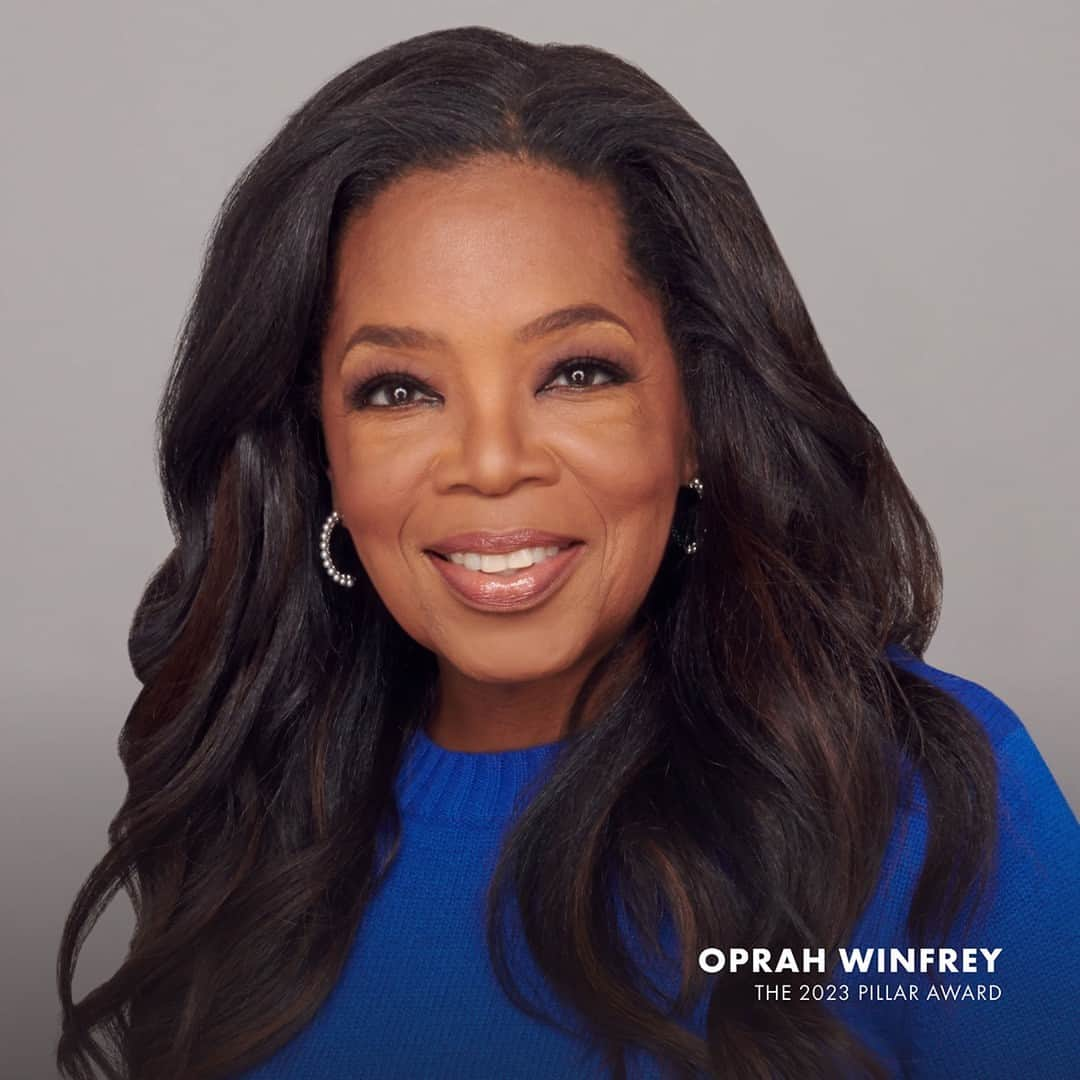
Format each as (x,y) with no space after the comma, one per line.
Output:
(418,998)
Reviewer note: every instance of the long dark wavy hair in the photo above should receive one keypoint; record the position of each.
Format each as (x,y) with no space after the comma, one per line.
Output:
(750,709)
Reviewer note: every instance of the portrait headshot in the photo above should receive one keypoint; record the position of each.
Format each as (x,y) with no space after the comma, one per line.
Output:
(532,675)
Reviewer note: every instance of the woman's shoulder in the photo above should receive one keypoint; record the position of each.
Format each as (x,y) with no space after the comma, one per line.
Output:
(1038,831)
(1034,894)
(998,719)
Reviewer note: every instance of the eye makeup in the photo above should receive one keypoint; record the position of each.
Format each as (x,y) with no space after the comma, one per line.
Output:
(359,396)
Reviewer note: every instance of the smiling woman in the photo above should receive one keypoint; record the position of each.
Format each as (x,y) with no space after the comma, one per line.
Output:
(538,405)
(544,616)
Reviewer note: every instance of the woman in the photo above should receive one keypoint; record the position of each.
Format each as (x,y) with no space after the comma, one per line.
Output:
(544,623)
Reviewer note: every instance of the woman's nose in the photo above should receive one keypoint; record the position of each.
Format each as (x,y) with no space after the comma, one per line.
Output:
(497,443)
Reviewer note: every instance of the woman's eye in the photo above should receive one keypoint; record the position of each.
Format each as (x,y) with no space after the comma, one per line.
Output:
(578,371)
(386,392)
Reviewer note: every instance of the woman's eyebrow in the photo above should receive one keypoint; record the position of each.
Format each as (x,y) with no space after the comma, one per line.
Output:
(411,337)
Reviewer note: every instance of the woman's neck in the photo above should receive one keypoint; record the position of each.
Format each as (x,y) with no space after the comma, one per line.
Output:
(483,717)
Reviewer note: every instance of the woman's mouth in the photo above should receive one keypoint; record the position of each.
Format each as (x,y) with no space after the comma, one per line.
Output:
(512,581)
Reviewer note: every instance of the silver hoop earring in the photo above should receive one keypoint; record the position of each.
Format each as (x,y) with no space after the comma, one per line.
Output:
(689,546)
(324,552)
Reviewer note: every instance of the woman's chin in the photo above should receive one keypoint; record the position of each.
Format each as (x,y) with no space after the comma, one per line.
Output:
(508,662)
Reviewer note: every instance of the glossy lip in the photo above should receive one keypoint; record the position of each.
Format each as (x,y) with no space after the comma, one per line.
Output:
(514,592)
(489,542)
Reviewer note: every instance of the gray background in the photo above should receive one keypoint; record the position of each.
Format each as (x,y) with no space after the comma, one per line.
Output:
(917,163)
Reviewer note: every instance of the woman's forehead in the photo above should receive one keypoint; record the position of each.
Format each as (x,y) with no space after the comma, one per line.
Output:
(493,218)
(491,248)
(477,236)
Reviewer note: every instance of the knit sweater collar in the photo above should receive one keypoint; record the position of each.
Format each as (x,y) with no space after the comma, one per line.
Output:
(466,786)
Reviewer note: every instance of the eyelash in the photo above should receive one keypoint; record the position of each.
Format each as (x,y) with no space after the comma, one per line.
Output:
(388,376)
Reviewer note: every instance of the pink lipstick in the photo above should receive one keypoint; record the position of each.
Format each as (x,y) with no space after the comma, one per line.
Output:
(510,590)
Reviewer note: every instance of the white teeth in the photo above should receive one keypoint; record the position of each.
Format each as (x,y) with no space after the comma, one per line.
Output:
(497,564)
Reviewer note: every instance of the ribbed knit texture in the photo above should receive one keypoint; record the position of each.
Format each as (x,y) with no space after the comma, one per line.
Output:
(418,998)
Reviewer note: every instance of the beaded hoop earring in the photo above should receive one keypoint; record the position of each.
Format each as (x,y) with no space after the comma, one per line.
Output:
(689,545)
(347,580)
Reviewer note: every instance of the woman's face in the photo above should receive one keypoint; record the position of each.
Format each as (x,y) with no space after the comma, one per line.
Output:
(484,429)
